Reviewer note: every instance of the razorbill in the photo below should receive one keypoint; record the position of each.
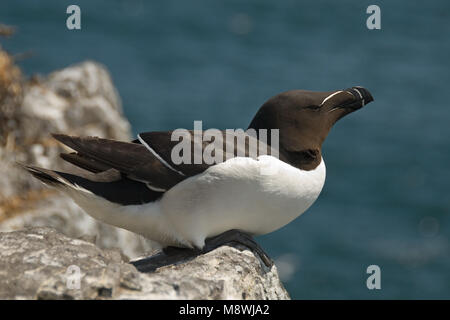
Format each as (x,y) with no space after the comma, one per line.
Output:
(139,187)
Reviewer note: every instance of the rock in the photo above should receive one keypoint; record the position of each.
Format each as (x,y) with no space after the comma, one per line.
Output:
(37,263)
(60,212)
(228,272)
(78,100)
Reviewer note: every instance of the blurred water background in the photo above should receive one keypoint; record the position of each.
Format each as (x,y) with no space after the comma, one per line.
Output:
(385,201)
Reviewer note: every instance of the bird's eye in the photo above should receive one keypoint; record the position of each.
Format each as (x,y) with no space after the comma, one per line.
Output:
(313,107)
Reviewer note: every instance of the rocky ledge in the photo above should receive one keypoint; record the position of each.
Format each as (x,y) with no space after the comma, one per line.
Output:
(42,263)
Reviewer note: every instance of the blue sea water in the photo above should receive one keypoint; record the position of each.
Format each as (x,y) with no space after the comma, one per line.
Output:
(386,199)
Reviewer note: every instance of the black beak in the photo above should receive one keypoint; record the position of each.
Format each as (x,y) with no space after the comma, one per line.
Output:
(361,95)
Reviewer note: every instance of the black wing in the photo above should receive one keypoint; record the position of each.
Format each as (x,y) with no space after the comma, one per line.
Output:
(220,147)
(132,160)
(142,170)
(108,185)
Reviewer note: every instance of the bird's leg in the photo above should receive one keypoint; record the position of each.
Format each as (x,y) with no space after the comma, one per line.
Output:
(169,255)
(237,236)
(171,250)
(172,255)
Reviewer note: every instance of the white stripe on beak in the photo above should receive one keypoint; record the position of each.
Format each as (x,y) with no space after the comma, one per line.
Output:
(360,95)
(330,96)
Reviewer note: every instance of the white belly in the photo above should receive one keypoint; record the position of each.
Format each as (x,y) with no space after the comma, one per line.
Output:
(256,196)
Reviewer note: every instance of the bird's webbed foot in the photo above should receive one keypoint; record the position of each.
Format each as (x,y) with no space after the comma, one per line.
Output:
(240,237)
(172,255)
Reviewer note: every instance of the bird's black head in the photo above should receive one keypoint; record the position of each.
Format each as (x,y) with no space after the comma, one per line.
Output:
(304,119)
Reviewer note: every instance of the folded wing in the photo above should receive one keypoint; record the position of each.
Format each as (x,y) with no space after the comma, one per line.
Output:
(204,150)
(142,170)
(132,160)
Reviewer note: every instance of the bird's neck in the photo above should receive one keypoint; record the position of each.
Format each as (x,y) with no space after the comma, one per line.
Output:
(304,159)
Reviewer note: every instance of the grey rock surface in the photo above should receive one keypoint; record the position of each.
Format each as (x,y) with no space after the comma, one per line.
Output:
(78,100)
(37,263)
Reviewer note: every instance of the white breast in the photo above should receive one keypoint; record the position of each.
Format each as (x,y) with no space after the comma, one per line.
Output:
(257,196)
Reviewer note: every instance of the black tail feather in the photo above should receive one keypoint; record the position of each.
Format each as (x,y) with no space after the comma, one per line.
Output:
(122,191)
(84,162)
(47,176)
